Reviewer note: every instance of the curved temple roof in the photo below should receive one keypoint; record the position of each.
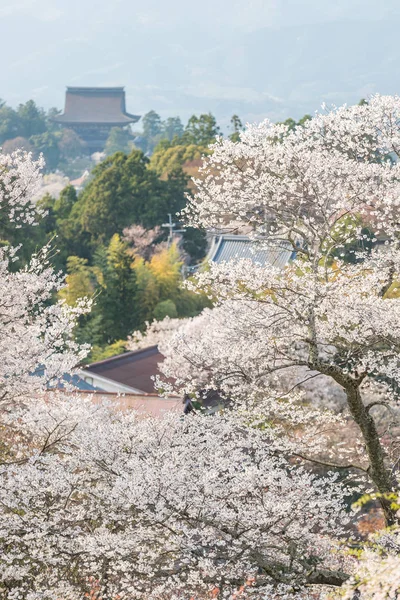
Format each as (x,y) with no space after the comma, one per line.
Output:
(95,105)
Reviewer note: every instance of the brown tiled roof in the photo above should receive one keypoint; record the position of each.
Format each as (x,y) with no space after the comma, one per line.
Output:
(133,369)
(95,106)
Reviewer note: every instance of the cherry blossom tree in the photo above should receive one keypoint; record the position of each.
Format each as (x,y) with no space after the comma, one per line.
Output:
(378,570)
(157,332)
(147,508)
(93,501)
(333,313)
(104,504)
(36,345)
(143,240)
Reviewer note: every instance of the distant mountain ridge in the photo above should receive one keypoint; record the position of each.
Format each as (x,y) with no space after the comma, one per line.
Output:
(299,67)
(273,72)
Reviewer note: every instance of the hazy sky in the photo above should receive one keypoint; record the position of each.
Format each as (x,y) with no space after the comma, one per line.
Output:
(257,57)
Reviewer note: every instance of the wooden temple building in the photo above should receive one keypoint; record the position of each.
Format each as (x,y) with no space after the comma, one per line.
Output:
(93,111)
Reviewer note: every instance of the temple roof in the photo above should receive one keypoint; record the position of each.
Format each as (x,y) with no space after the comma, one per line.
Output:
(95,105)
(231,248)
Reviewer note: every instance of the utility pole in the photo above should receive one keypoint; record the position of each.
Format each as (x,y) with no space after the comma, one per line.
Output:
(171,226)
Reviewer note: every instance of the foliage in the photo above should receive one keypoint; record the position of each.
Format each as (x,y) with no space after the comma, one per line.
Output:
(237,126)
(291,124)
(102,352)
(117,300)
(32,120)
(165,308)
(114,504)
(201,131)
(29,124)
(142,240)
(75,168)
(70,144)
(160,292)
(54,226)
(323,316)
(166,266)
(119,140)
(51,125)
(47,144)
(30,128)
(148,291)
(168,157)
(64,204)
(194,243)
(9,123)
(152,131)
(18,143)
(152,124)
(111,283)
(127,287)
(158,135)
(122,191)
(155,333)
(26,121)
(172,128)
(96,502)
(36,344)
(80,281)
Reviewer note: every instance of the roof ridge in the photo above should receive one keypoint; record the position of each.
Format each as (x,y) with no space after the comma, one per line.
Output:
(119,356)
(82,88)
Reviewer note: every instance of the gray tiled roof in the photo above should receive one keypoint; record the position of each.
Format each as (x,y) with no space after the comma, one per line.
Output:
(226,248)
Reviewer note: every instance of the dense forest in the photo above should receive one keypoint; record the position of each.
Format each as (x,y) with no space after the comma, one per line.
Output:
(31,128)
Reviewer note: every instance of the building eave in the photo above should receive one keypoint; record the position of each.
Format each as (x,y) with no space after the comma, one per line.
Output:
(64,120)
(100,380)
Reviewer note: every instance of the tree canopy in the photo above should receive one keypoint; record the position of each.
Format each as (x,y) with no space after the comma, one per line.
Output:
(253,500)
(201,130)
(123,191)
(119,140)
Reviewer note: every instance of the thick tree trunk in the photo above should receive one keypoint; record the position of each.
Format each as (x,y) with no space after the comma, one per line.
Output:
(377,469)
